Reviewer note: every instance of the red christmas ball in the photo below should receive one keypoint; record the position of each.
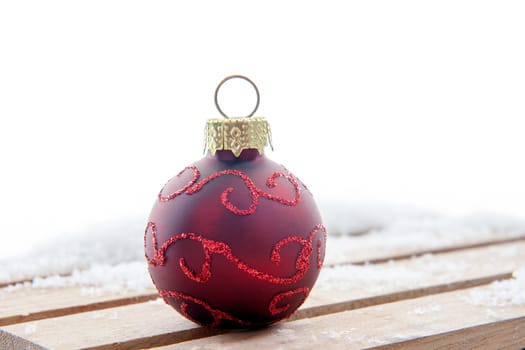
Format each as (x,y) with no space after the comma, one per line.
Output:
(235,241)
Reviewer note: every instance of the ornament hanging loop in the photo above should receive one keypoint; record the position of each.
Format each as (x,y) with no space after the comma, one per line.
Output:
(236,77)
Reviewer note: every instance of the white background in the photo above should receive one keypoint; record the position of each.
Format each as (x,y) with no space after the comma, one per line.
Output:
(411,102)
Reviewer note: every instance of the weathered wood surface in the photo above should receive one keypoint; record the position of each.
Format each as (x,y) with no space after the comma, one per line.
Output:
(67,318)
(442,321)
(27,304)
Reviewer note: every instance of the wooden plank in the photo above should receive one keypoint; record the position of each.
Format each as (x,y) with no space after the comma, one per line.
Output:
(132,327)
(373,249)
(443,321)
(149,324)
(507,334)
(384,256)
(12,342)
(27,304)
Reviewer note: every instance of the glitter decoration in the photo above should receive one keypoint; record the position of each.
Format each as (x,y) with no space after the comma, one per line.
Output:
(275,310)
(196,175)
(320,258)
(217,314)
(302,262)
(192,187)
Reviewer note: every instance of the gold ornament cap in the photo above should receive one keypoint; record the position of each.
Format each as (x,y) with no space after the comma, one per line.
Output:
(237,134)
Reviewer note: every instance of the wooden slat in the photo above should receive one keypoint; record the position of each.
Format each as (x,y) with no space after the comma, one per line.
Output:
(132,327)
(506,334)
(382,257)
(443,321)
(27,304)
(141,322)
(12,342)
(372,249)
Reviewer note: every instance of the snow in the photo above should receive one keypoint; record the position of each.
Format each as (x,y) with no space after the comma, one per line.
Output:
(30,329)
(110,258)
(286,332)
(421,310)
(416,229)
(371,278)
(502,293)
(351,336)
(394,275)
(109,315)
(354,219)
(105,245)
(333,334)
(97,279)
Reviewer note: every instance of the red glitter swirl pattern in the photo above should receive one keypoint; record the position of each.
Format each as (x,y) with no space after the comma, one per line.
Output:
(275,310)
(255,193)
(196,175)
(217,314)
(302,262)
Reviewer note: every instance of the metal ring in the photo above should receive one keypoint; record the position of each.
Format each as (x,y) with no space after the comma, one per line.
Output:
(232,77)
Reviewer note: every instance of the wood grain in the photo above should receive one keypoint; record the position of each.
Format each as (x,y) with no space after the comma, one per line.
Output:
(12,342)
(506,334)
(442,321)
(29,304)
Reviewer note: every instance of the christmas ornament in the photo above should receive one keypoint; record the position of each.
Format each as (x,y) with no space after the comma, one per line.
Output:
(235,240)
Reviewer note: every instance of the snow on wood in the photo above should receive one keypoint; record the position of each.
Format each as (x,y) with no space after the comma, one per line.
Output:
(502,293)
(389,231)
